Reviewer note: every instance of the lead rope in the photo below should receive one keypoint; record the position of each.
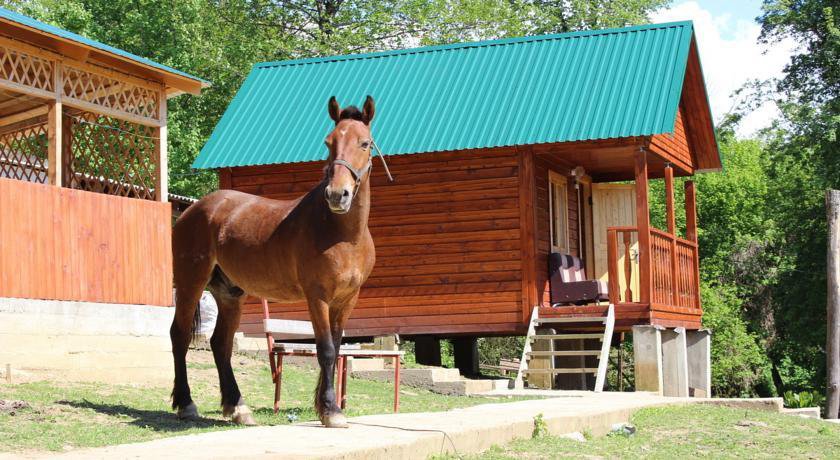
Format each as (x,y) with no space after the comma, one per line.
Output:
(387,171)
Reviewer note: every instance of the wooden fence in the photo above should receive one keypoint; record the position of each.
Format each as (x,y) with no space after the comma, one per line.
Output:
(64,244)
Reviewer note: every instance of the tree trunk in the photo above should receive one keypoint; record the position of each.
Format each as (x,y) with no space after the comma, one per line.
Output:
(832,202)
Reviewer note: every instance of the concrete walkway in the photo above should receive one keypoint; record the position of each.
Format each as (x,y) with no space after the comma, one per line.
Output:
(399,436)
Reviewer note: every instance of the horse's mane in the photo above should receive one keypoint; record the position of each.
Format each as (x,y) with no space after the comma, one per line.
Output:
(351,112)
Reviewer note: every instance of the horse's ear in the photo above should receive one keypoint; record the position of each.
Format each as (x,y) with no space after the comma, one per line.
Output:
(369,110)
(334,109)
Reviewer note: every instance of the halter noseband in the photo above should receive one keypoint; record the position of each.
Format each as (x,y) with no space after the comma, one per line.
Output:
(358,174)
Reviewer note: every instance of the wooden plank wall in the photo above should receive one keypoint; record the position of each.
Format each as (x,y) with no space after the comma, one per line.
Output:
(64,244)
(447,243)
(675,147)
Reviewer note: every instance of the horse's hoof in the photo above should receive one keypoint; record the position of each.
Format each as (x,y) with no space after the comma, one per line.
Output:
(242,416)
(188,413)
(337,420)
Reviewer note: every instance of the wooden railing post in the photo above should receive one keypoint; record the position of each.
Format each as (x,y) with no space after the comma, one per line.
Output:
(54,136)
(643,223)
(612,266)
(690,212)
(628,267)
(161,158)
(672,230)
(691,234)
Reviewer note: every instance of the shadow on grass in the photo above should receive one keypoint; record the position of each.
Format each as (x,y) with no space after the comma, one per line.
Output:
(157,420)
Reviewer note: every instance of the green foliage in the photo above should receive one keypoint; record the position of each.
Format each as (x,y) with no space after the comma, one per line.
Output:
(493,349)
(540,427)
(803,399)
(740,367)
(221,39)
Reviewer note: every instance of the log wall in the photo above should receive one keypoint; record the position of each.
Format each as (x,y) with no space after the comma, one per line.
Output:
(448,249)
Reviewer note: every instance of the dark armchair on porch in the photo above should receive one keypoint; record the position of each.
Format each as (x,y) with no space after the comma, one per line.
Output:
(569,286)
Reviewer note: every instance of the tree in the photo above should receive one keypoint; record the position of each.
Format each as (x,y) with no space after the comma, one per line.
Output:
(802,161)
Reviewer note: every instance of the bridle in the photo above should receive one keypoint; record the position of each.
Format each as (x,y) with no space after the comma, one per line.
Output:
(358,174)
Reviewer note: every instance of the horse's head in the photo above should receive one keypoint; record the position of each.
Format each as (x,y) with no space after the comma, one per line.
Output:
(350,146)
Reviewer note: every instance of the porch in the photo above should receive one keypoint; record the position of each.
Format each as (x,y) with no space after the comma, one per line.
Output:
(651,274)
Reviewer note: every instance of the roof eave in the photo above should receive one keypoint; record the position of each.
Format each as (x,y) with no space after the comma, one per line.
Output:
(84,52)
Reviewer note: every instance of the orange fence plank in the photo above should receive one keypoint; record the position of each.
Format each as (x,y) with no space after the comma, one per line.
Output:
(64,244)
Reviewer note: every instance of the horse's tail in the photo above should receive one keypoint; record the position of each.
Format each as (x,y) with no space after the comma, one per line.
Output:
(196,322)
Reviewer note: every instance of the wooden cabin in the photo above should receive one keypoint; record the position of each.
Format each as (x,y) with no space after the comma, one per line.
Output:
(503,152)
(85,226)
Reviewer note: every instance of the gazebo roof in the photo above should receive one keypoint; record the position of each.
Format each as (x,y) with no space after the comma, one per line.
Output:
(76,46)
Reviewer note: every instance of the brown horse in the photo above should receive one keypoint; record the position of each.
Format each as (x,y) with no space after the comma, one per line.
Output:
(317,248)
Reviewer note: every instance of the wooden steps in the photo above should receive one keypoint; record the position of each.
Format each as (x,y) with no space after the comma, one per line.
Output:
(554,339)
(567,336)
(571,319)
(583,370)
(565,353)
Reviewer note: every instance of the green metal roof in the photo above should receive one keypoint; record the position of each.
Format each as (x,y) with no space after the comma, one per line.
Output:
(52,30)
(554,88)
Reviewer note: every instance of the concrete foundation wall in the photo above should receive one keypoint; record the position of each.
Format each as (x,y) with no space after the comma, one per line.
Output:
(82,341)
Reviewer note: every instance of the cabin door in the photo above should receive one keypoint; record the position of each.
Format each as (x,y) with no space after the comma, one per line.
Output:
(614,205)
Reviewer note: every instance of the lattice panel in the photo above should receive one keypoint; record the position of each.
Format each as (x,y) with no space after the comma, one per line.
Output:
(111,156)
(23,154)
(25,69)
(109,92)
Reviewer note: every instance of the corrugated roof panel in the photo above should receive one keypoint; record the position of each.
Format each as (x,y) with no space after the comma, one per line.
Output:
(52,30)
(555,88)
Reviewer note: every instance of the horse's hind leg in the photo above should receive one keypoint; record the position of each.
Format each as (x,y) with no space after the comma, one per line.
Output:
(189,284)
(229,299)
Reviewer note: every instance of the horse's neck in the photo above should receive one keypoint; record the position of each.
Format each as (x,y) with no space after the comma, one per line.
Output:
(354,224)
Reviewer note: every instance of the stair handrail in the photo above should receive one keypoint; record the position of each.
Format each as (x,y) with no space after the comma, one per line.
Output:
(519,383)
(609,324)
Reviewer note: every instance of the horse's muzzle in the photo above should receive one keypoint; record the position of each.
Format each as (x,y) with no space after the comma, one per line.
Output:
(339,199)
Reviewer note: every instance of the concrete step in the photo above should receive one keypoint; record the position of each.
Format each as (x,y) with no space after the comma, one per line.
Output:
(437,379)
(804,412)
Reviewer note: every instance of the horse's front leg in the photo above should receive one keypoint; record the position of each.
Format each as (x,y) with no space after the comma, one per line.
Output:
(339,313)
(325,404)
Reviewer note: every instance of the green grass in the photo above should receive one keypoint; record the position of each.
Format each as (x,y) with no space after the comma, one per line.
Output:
(70,415)
(691,431)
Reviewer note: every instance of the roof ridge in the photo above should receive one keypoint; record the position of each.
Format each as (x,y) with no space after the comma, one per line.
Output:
(478,44)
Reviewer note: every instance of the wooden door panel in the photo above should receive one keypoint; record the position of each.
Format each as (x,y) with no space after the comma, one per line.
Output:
(614,205)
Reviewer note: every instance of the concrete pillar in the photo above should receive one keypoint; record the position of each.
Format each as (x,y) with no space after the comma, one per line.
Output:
(427,350)
(647,353)
(699,352)
(466,355)
(674,363)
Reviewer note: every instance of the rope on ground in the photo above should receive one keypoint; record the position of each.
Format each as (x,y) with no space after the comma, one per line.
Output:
(446,436)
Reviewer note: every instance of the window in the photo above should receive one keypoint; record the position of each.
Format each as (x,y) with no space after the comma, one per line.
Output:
(558,205)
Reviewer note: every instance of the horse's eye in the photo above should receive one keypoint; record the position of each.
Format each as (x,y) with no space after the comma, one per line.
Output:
(365,145)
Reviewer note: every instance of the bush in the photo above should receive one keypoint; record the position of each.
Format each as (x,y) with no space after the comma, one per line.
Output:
(740,367)
(803,399)
(493,349)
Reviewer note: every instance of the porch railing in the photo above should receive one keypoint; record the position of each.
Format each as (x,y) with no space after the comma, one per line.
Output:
(673,268)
